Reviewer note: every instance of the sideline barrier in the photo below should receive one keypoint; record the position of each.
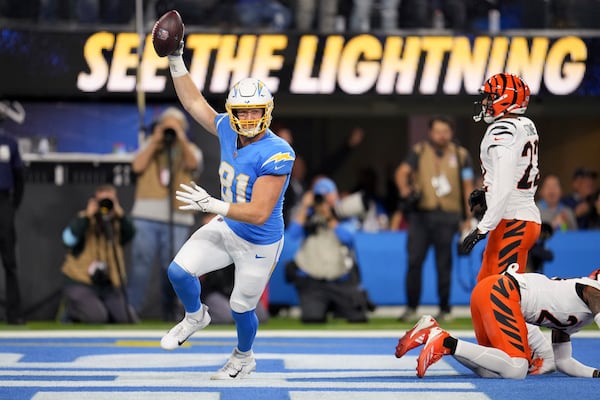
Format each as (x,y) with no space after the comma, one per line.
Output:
(382,259)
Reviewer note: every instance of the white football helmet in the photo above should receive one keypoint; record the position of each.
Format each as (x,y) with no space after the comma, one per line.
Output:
(249,93)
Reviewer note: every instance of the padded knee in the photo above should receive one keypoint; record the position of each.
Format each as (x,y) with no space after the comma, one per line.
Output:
(176,273)
(241,305)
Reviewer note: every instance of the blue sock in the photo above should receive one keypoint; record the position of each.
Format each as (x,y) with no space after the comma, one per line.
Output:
(186,286)
(246,324)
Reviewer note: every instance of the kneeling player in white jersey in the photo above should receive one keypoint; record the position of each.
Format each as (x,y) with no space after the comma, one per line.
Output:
(501,305)
(248,229)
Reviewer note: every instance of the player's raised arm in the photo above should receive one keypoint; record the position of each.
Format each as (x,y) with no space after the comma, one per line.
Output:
(189,95)
(167,38)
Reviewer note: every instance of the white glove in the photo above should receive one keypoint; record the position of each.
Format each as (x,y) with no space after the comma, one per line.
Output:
(176,64)
(198,199)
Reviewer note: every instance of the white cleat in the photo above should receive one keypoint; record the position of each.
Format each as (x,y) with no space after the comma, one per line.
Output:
(183,330)
(238,366)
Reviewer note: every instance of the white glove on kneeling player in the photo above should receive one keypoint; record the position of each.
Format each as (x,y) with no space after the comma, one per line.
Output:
(198,199)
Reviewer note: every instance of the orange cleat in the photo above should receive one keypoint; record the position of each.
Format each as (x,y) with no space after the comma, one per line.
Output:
(417,336)
(433,351)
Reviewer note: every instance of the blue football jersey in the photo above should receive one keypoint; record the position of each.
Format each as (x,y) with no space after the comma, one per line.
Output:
(240,168)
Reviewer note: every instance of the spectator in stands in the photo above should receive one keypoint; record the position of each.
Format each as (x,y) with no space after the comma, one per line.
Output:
(104,11)
(558,215)
(324,270)
(270,14)
(305,11)
(584,197)
(434,182)
(360,18)
(167,159)
(12,185)
(94,266)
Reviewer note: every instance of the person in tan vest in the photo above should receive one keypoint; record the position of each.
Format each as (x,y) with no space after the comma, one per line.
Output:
(167,159)
(94,268)
(429,181)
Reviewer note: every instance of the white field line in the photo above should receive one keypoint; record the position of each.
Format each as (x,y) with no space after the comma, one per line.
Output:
(230,333)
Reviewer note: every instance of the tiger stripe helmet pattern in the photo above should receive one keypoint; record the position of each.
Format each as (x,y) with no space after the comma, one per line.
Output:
(595,275)
(503,94)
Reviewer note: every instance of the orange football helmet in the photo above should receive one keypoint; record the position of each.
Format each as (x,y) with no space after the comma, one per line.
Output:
(503,94)
(595,275)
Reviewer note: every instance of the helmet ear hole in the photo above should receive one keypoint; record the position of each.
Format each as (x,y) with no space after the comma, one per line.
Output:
(249,93)
(507,93)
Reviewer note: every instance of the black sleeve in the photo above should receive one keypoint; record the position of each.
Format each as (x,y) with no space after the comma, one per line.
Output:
(19,186)
(78,226)
(127,230)
(412,159)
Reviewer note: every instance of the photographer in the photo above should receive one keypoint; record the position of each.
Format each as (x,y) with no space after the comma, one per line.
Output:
(167,159)
(324,270)
(94,266)
(434,182)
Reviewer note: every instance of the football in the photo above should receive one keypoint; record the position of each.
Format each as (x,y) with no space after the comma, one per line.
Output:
(167,33)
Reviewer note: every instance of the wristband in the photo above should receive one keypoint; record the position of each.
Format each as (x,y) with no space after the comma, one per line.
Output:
(220,207)
(177,66)
(597,319)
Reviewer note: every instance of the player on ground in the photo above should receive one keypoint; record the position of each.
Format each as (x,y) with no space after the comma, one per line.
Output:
(248,229)
(500,307)
(509,163)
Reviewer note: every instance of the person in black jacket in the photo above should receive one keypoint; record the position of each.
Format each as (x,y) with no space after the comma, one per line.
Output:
(94,267)
(11,193)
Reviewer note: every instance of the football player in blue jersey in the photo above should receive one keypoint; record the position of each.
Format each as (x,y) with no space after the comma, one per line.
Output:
(248,228)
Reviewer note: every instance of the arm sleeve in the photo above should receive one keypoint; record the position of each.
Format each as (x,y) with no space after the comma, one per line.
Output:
(278,161)
(412,160)
(74,234)
(294,231)
(467,172)
(19,186)
(345,232)
(499,191)
(565,362)
(77,228)
(127,229)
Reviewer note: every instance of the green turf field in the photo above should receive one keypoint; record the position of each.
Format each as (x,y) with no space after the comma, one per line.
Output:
(275,323)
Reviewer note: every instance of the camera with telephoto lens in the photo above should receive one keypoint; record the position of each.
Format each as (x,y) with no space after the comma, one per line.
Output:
(319,199)
(409,203)
(105,205)
(169,136)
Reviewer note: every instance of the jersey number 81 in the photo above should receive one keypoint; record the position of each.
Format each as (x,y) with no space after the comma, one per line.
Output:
(230,183)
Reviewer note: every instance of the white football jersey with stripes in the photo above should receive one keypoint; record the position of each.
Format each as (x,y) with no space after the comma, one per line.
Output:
(555,303)
(509,164)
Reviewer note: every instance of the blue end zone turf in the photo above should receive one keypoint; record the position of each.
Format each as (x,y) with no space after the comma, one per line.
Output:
(290,365)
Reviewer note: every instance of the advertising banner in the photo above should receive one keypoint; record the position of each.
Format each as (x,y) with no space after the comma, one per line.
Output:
(103,64)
